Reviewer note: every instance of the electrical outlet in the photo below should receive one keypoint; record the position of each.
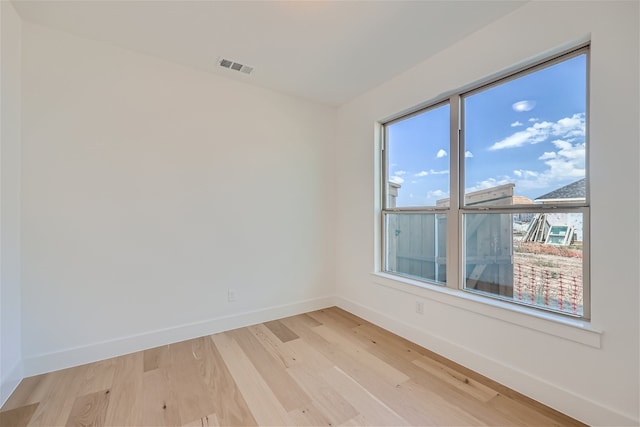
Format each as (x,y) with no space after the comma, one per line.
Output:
(231,295)
(419,307)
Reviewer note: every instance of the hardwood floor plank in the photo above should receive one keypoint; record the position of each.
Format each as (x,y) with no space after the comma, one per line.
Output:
(278,350)
(326,398)
(335,318)
(156,357)
(308,356)
(392,352)
(462,382)
(374,337)
(329,401)
(342,353)
(17,417)
(97,376)
(160,406)
(439,409)
(207,421)
(515,413)
(310,416)
(374,411)
(281,331)
(192,394)
(360,358)
(396,398)
(126,400)
(30,390)
(303,319)
(62,391)
(286,390)
(356,421)
(89,410)
(231,408)
(304,329)
(263,404)
(51,393)
(344,313)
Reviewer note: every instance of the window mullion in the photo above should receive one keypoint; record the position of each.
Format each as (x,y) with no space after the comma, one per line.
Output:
(453,222)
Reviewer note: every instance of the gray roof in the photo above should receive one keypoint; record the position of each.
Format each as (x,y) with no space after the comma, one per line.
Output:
(575,190)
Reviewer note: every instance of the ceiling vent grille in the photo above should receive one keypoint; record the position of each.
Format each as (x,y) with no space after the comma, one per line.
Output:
(236,66)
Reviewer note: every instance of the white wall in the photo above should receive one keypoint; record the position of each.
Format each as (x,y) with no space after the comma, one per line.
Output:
(10,306)
(588,375)
(150,189)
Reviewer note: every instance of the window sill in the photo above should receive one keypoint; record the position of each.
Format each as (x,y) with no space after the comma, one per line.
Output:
(576,330)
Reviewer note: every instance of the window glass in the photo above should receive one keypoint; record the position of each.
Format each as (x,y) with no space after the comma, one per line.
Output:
(418,159)
(537,262)
(416,245)
(525,138)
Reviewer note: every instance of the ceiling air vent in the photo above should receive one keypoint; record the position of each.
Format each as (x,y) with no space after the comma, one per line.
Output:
(232,65)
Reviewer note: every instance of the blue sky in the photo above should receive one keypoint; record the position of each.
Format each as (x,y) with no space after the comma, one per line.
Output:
(529,131)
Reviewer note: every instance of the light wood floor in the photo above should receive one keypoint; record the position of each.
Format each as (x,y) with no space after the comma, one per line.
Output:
(326,367)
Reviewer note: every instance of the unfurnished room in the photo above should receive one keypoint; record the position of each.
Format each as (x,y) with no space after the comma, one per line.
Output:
(338,213)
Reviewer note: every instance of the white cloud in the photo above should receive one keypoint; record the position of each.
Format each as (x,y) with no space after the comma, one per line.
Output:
(441,153)
(516,124)
(442,172)
(468,154)
(422,174)
(534,119)
(568,127)
(532,135)
(564,165)
(400,173)
(570,151)
(525,105)
(523,173)
(396,179)
(548,155)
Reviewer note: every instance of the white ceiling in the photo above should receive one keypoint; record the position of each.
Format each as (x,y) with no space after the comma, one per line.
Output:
(324,51)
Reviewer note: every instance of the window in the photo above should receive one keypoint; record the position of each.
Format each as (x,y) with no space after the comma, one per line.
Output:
(500,173)
(415,226)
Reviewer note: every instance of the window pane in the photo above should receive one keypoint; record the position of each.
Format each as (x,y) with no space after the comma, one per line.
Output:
(416,245)
(418,159)
(525,139)
(533,259)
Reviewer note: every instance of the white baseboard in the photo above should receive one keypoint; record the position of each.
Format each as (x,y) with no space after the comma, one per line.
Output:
(10,381)
(49,362)
(567,402)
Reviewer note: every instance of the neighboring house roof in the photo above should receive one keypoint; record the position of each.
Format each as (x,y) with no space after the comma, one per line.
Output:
(574,191)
